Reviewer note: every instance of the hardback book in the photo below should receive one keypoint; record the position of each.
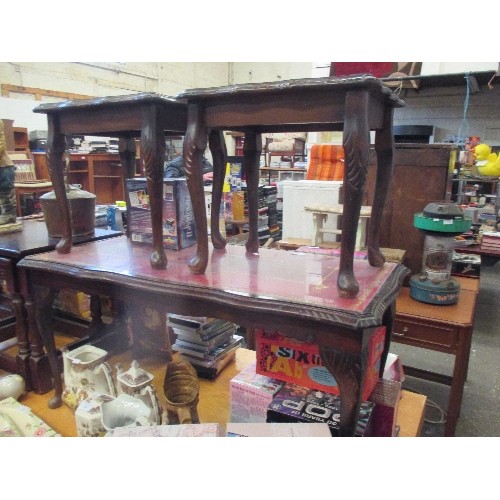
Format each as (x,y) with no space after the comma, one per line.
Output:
(213,355)
(294,403)
(205,345)
(211,372)
(198,324)
(208,336)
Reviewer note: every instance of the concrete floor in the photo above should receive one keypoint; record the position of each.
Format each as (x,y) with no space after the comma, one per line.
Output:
(480,414)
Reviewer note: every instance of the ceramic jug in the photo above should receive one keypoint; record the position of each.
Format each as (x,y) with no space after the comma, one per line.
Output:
(12,386)
(85,372)
(136,382)
(124,411)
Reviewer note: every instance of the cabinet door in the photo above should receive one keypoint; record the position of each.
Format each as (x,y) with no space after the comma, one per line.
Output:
(420,176)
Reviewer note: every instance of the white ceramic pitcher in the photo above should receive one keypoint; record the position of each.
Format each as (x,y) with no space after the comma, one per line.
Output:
(85,372)
(137,382)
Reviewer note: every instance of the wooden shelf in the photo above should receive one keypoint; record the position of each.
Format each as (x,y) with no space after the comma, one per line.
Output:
(85,169)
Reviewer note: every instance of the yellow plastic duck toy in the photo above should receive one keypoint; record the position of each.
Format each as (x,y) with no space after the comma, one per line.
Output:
(487,163)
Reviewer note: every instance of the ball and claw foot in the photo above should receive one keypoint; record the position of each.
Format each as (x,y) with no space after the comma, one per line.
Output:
(55,402)
(64,246)
(158,260)
(347,284)
(197,265)
(375,258)
(218,241)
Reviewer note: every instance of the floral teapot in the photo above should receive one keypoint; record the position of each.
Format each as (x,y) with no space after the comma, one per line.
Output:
(85,372)
(136,382)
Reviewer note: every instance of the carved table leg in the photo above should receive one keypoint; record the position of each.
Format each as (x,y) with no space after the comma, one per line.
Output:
(43,301)
(384,147)
(349,370)
(55,150)
(39,369)
(195,143)
(357,148)
(153,152)
(24,351)
(219,156)
(252,149)
(126,148)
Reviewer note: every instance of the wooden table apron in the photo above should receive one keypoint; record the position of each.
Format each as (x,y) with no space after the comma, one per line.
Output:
(355,105)
(237,287)
(149,116)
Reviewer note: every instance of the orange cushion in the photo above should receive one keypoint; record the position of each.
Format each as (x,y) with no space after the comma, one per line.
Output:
(326,163)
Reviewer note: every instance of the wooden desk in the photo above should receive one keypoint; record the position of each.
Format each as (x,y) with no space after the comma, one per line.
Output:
(30,359)
(215,401)
(445,329)
(355,105)
(488,257)
(295,294)
(146,115)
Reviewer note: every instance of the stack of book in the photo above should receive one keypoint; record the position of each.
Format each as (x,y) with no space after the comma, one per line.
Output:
(270,193)
(209,344)
(491,241)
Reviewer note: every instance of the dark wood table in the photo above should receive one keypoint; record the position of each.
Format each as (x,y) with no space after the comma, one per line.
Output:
(294,293)
(150,116)
(355,105)
(30,360)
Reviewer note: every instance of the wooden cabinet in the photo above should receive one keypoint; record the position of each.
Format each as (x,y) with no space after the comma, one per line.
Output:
(98,173)
(21,140)
(420,175)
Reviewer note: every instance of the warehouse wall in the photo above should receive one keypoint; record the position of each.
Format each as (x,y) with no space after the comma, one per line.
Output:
(441,107)
(449,111)
(102,79)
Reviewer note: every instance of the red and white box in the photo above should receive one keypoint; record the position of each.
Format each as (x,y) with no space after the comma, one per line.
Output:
(298,362)
(251,394)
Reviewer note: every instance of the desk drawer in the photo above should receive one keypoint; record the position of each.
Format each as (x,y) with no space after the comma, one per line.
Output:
(428,335)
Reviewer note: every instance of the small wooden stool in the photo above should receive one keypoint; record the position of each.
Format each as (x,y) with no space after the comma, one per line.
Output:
(320,215)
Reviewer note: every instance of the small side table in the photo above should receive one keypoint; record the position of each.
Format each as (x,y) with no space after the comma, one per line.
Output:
(440,328)
(355,105)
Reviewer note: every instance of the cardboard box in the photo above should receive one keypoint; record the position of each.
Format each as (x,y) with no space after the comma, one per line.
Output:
(386,396)
(179,230)
(393,369)
(251,394)
(294,403)
(299,362)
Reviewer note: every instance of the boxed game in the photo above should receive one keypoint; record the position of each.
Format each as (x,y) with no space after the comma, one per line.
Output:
(299,362)
(294,403)
(179,230)
(251,394)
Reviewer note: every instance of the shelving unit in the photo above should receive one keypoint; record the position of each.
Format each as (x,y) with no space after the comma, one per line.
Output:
(98,173)
(489,187)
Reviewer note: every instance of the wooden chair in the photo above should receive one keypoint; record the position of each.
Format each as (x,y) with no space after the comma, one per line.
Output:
(25,182)
(290,145)
(326,163)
